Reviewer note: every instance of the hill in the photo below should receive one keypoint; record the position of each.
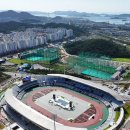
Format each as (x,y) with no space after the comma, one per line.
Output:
(7,27)
(124,15)
(75,13)
(26,17)
(99,46)
(14,14)
(11,15)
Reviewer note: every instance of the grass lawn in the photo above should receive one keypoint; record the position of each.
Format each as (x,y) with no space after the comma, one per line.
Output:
(127,77)
(17,61)
(121,59)
(107,127)
(117,116)
(127,110)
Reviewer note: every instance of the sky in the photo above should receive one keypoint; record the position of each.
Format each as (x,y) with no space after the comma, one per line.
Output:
(90,6)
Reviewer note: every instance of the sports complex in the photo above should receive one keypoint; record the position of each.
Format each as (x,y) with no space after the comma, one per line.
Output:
(48,55)
(90,65)
(64,102)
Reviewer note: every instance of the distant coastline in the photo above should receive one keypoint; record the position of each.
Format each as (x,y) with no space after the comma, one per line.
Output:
(96,18)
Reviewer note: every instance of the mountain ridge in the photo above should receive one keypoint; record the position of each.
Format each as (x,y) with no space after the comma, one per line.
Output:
(11,15)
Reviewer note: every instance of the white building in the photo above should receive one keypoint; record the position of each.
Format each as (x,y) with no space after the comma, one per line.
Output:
(17,41)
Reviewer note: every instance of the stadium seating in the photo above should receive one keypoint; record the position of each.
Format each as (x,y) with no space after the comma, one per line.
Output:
(84,117)
(69,84)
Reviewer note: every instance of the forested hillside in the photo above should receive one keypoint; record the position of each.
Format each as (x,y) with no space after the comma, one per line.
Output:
(99,46)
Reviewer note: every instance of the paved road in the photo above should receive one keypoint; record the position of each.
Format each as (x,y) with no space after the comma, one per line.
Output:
(20,74)
(127,122)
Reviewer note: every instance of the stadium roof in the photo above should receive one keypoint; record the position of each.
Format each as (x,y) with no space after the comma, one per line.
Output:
(92,84)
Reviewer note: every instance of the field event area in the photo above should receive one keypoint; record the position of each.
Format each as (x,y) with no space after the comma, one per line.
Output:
(86,111)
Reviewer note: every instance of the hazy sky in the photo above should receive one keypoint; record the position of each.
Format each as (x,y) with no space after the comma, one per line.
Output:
(98,6)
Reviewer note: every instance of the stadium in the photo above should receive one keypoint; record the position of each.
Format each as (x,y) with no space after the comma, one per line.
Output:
(63,102)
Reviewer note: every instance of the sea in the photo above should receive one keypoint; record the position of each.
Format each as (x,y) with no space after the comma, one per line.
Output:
(109,19)
(101,18)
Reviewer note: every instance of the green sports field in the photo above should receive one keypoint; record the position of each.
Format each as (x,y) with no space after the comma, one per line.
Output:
(121,59)
(97,74)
